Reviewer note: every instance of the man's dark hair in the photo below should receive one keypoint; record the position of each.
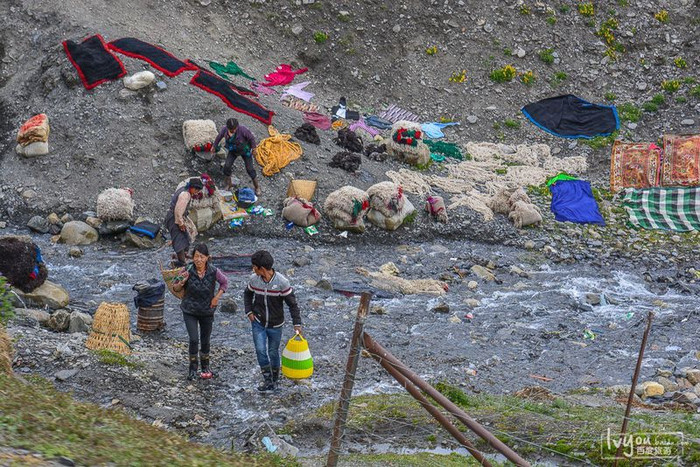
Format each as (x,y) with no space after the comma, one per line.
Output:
(201,248)
(262,259)
(231,124)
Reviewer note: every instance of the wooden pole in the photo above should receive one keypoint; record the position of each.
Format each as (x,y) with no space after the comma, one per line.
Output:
(341,413)
(458,413)
(415,392)
(630,398)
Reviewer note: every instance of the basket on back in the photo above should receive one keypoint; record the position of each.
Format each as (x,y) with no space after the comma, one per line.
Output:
(111,329)
(169,277)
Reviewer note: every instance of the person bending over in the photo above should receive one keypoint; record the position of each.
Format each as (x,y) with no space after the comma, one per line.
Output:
(176,219)
(238,141)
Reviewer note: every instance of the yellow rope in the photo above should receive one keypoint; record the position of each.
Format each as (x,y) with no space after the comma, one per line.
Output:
(275,152)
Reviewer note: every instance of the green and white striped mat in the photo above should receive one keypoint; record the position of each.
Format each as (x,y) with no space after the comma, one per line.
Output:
(661,208)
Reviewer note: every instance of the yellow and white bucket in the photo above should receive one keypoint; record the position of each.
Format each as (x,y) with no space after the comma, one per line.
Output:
(296,359)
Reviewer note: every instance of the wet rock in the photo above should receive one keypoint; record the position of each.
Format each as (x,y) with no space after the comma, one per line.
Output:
(687,397)
(228,305)
(78,233)
(296,30)
(641,86)
(93,222)
(324,284)
(55,229)
(396,29)
(138,241)
(483,273)
(472,302)
(48,295)
(301,261)
(688,122)
(669,386)
(593,299)
(59,321)
(516,270)
(472,285)
(53,219)
(113,227)
(378,310)
(39,316)
(529,244)
(38,224)
(79,322)
(441,307)
(63,375)
(66,218)
(75,252)
(454,319)
(650,389)
(472,119)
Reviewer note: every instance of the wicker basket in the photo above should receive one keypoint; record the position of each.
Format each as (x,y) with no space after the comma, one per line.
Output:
(169,276)
(111,329)
(302,189)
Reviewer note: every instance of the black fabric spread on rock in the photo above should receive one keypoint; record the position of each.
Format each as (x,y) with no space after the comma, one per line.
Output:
(18,259)
(158,58)
(94,63)
(572,117)
(222,89)
(307,132)
(347,139)
(347,161)
(239,89)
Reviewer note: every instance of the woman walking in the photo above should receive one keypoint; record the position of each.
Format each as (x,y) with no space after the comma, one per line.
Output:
(198,306)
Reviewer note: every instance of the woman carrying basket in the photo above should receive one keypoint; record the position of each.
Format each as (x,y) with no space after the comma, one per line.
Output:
(198,305)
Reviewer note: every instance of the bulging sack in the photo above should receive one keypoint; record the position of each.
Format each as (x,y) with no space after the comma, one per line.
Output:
(296,359)
(300,211)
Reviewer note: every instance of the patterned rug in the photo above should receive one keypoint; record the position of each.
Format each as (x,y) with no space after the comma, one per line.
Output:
(634,165)
(681,165)
(676,209)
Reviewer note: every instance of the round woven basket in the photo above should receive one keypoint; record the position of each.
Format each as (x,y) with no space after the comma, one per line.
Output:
(111,329)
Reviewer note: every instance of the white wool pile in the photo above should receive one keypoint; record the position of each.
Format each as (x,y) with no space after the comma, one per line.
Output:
(524,214)
(115,204)
(340,203)
(386,197)
(198,132)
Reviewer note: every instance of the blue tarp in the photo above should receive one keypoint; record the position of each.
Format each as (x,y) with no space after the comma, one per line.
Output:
(572,201)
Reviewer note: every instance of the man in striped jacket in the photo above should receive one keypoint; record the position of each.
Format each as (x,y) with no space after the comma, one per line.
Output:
(264,299)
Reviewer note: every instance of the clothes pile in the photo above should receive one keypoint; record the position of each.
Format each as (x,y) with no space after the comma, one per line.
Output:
(276,152)
(307,132)
(348,161)
(229,69)
(341,111)
(433,130)
(349,140)
(347,208)
(33,137)
(284,74)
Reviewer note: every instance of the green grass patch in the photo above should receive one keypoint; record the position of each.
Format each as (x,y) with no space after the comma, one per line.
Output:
(558,78)
(36,417)
(610,97)
(524,9)
(689,80)
(7,312)
(421,459)
(551,20)
(564,8)
(320,37)
(671,85)
(111,358)
(586,9)
(601,141)
(502,75)
(650,107)
(512,124)
(629,112)
(681,100)
(658,99)
(680,62)
(547,56)
(695,92)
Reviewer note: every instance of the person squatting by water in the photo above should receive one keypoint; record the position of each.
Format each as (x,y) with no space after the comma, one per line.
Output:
(176,220)
(198,306)
(238,141)
(264,299)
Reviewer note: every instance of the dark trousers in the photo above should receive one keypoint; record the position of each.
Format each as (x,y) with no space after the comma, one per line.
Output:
(247,160)
(205,324)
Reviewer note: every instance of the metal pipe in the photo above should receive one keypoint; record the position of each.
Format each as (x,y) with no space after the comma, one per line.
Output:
(341,413)
(630,398)
(439,416)
(374,347)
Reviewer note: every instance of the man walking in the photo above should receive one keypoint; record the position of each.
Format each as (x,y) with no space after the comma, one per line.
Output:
(264,299)
(238,141)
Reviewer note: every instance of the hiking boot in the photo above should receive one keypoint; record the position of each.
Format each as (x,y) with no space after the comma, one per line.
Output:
(267,384)
(192,374)
(275,377)
(206,373)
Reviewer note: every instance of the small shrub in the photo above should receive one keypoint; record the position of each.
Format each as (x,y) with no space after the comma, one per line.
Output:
(432,50)
(564,8)
(344,18)
(524,9)
(680,63)
(586,9)
(501,75)
(512,124)
(610,97)
(658,99)
(670,85)
(606,31)
(559,77)
(320,37)
(528,78)
(629,112)
(623,2)
(662,16)
(109,357)
(601,141)
(507,52)
(496,126)
(446,119)
(695,92)
(681,100)
(458,76)
(552,20)
(547,56)
(689,80)
(650,107)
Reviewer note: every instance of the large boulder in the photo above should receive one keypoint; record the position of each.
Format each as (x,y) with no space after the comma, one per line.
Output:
(33,315)
(143,242)
(139,80)
(38,224)
(59,321)
(48,295)
(79,322)
(78,233)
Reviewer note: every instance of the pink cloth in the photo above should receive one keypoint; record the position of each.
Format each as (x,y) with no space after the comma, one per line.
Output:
(283,75)
(320,121)
(361,124)
(297,91)
(260,88)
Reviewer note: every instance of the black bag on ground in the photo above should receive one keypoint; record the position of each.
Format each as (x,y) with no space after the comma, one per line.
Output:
(148,292)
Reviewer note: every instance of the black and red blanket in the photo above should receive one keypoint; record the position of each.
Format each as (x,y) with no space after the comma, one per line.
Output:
(95,64)
(158,58)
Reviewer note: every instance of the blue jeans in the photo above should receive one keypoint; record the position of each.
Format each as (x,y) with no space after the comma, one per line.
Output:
(267,345)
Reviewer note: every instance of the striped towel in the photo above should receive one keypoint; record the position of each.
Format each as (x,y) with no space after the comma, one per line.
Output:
(395,114)
(676,209)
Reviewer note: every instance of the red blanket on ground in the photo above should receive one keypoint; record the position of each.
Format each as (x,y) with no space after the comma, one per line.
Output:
(283,75)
